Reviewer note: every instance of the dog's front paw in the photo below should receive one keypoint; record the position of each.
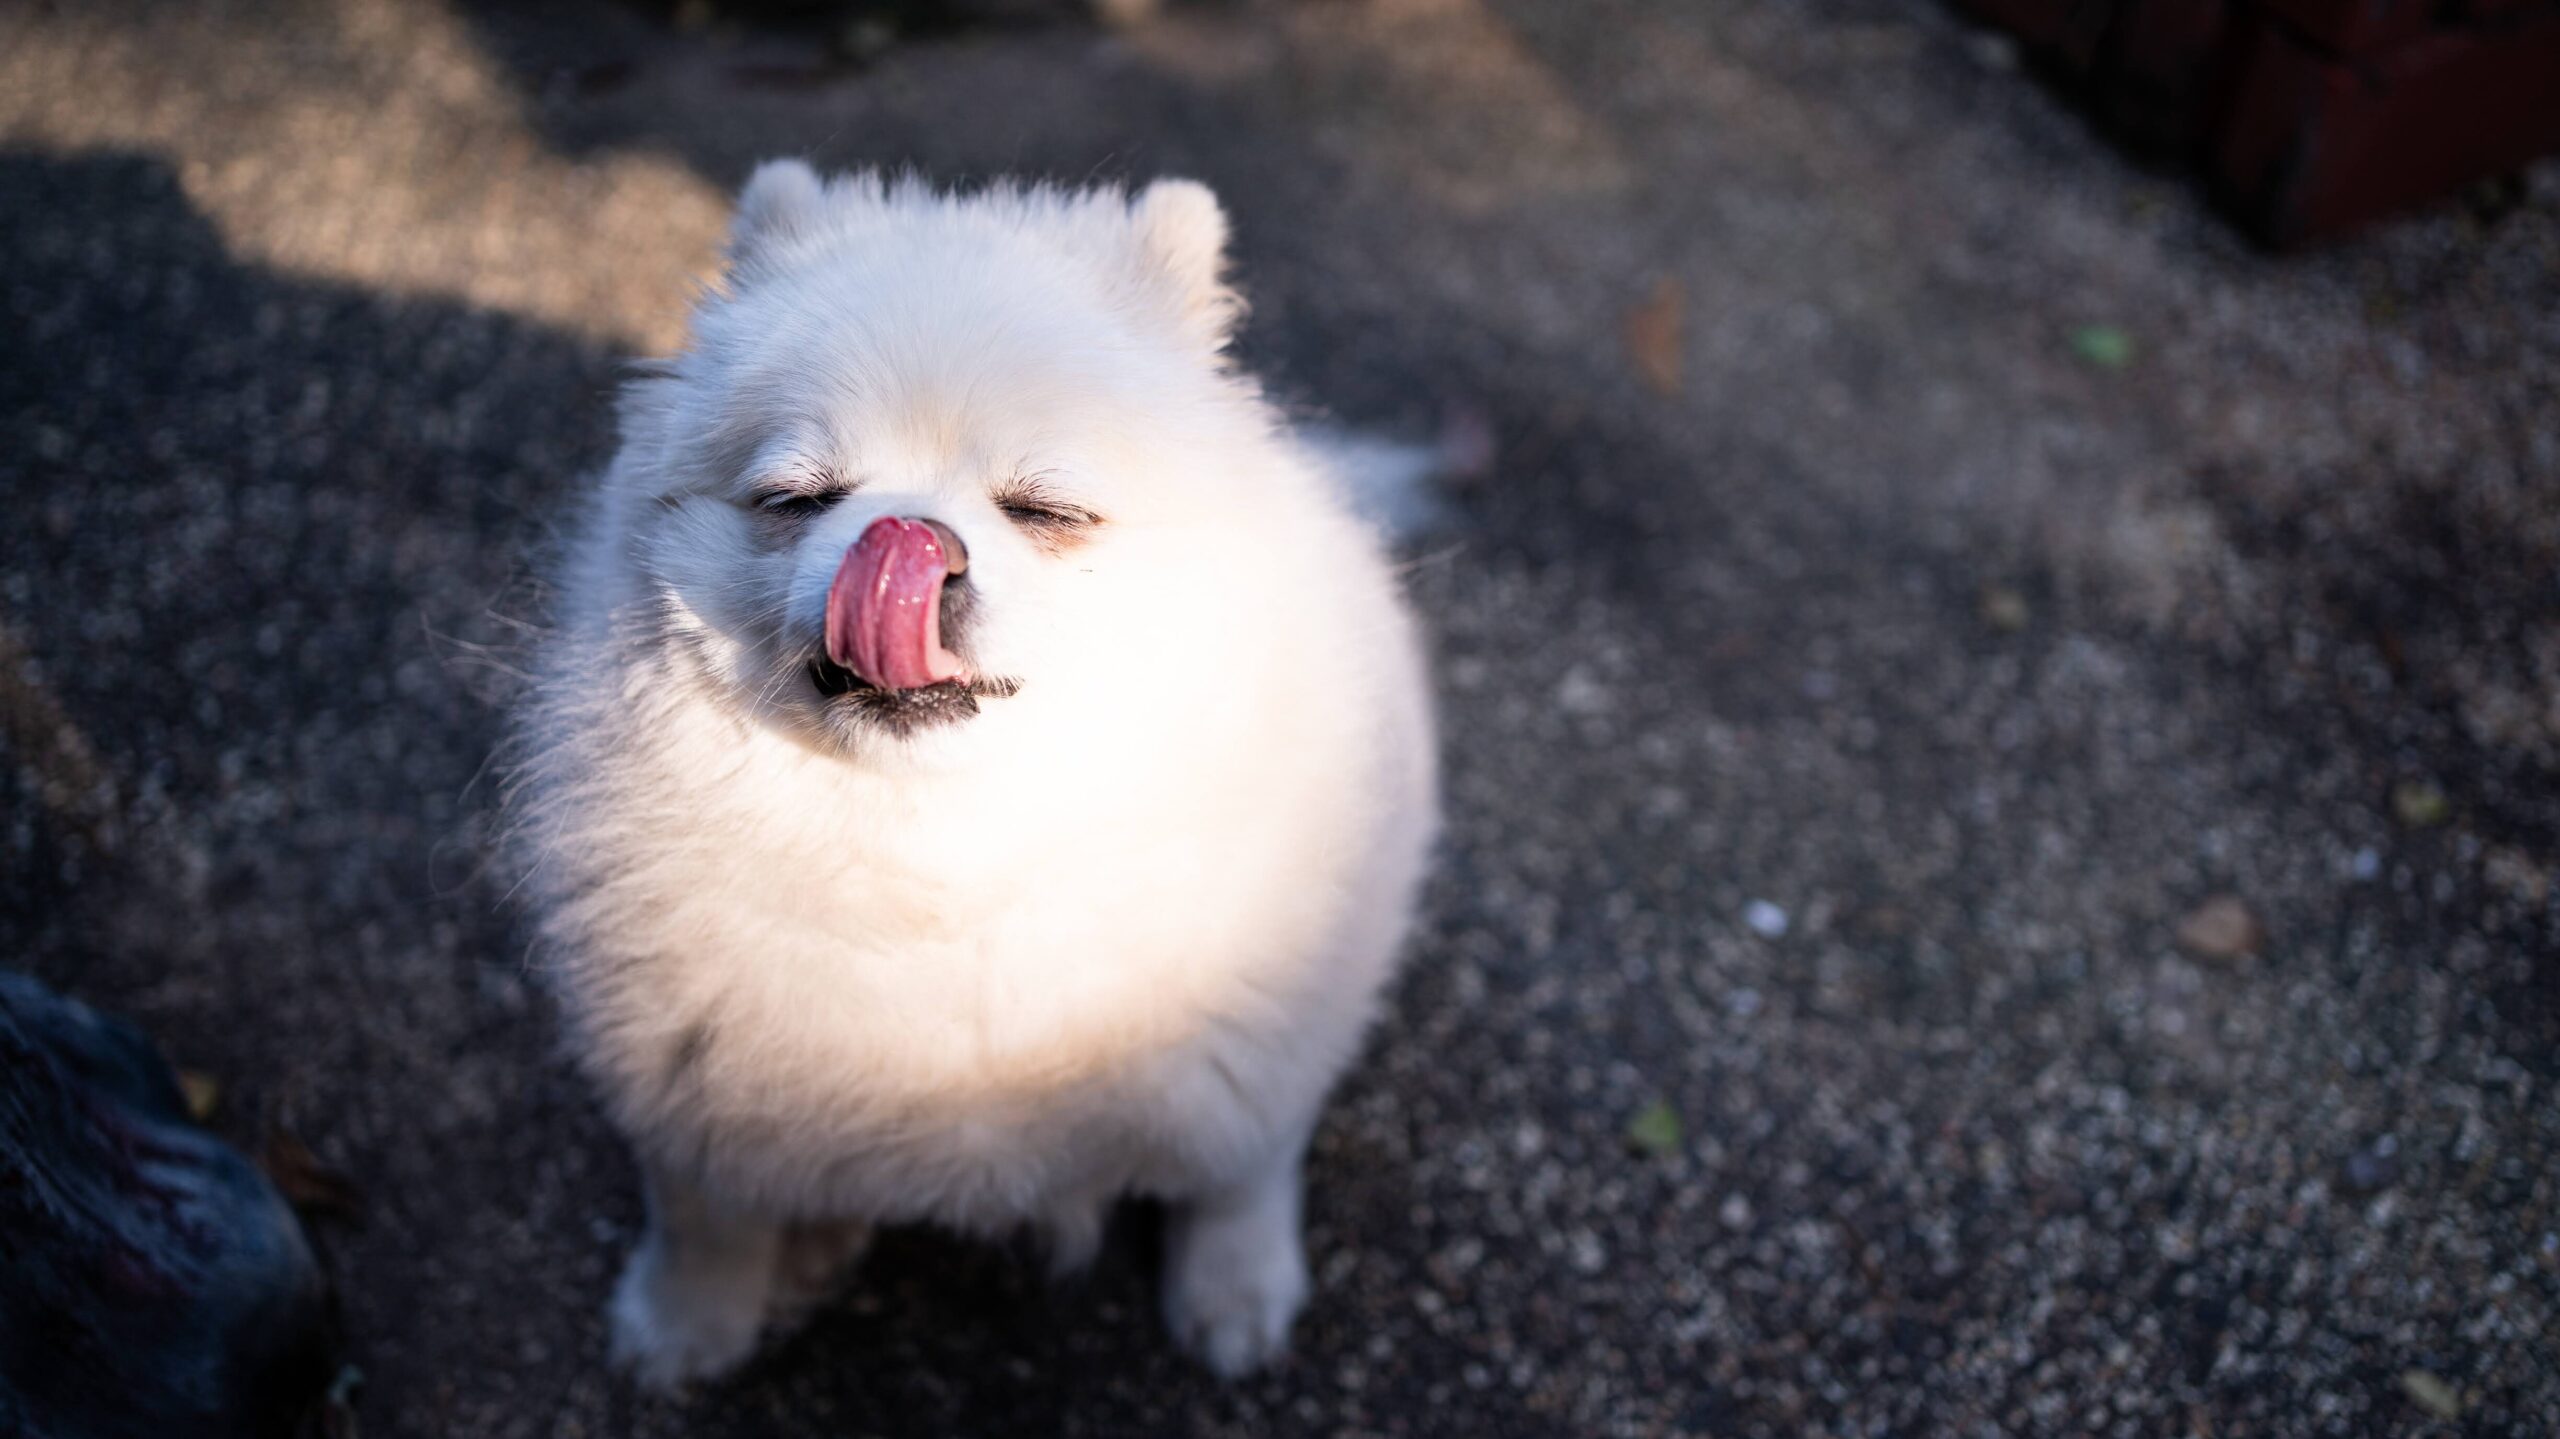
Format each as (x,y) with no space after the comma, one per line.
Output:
(1231,1291)
(672,1327)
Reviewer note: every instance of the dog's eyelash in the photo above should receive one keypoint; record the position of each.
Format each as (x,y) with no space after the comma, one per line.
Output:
(1036,510)
(783,502)
(1050,515)
(795,501)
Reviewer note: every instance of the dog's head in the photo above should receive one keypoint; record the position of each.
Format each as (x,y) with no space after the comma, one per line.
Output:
(928,456)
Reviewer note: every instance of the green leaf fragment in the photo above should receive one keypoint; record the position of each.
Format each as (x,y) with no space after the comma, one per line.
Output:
(2419,804)
(2104,346)
(1655,1129)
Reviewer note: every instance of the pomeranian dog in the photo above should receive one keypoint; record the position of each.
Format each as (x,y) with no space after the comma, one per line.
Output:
(982,768)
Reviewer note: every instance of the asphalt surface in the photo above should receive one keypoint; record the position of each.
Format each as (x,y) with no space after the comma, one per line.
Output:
(1926,561)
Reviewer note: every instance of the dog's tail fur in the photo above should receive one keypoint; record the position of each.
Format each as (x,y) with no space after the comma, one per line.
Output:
(1402,488)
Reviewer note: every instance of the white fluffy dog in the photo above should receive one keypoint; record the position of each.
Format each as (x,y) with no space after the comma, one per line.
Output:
(982,770)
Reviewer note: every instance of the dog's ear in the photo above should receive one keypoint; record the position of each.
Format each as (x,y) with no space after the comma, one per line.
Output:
(783,200)
(1182,241)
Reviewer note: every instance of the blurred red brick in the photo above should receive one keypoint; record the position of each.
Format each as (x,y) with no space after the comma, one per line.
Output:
(2310,116)
(2314,144)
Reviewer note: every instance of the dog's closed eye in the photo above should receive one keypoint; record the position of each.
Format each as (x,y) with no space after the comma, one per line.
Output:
(794,494)
(794,504)
(1044,516)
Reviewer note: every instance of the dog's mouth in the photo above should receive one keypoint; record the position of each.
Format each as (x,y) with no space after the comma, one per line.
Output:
(904,711)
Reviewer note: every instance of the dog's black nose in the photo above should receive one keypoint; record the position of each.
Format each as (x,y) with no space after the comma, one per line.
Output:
(954,553)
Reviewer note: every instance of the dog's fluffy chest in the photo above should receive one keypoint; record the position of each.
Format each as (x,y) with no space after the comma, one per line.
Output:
(983,1075)
(932,999)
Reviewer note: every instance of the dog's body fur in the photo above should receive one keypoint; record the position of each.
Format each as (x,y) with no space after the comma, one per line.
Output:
(1116,932)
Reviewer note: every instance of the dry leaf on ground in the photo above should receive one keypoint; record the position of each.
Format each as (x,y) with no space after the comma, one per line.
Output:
(1653,336)
(308,1184)
(2223,927)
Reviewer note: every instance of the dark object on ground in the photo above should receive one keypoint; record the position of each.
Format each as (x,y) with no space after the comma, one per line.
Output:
(152,1283)
(2310,117)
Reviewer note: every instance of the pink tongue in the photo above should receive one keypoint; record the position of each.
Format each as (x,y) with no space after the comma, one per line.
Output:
(884,611)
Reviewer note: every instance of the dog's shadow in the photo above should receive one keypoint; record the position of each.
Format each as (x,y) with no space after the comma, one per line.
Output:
(930,1326)
(307,497)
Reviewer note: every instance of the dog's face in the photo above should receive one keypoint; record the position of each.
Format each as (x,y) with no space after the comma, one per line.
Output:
(933,456)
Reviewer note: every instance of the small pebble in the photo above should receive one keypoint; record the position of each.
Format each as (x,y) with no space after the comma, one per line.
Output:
(1579,694)
(2431,1393)
(1764,919)
(1589,1256)
(2376,1166)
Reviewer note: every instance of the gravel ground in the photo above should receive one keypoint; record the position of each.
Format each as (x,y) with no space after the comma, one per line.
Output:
(1928,563)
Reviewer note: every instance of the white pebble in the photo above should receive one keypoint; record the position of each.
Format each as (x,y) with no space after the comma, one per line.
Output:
(1765,919)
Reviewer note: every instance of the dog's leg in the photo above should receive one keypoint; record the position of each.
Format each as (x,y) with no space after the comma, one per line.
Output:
(811,1266)
(1073,1235)
(1235,1273)
(696,1291)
